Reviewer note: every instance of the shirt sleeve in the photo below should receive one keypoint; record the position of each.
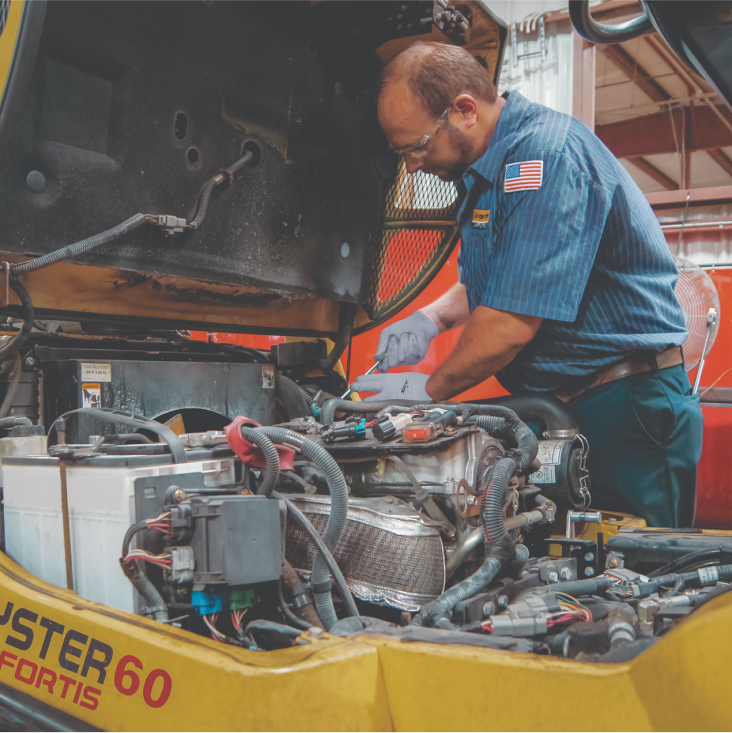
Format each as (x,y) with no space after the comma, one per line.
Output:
(546,241)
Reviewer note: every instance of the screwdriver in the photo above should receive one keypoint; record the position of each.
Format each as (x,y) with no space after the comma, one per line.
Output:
(350,389)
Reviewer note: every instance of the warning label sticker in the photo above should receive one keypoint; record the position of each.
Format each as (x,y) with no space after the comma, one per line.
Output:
(268,377)
(96,372)
(550,451)
(545,475)
(91,395)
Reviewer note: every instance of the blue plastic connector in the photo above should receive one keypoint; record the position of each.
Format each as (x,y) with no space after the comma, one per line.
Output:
(206,603)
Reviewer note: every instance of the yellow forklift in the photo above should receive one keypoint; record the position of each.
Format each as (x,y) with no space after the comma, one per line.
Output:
(200,536)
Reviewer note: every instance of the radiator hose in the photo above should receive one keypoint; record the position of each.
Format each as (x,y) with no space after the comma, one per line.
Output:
(336,519)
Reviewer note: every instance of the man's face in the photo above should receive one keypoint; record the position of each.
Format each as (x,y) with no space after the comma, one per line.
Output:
(405,120)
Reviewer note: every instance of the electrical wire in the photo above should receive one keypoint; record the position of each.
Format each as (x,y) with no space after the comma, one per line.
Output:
(164,561)
(715,382)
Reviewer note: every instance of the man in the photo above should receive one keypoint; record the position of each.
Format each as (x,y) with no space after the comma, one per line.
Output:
(566,281)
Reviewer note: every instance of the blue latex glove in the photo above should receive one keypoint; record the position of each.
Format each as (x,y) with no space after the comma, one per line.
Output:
(405,343)
(405,386)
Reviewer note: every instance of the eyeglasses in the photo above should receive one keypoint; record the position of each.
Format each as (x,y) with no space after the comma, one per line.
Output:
(419,149)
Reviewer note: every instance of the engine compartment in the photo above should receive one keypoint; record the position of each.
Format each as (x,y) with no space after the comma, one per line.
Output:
(449,523)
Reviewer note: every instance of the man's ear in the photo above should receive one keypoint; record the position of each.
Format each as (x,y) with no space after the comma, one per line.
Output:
(467,107)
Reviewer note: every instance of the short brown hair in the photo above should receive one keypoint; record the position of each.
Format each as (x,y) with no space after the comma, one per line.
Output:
(438,72)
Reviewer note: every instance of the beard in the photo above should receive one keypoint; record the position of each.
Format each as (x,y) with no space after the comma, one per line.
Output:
(464,148)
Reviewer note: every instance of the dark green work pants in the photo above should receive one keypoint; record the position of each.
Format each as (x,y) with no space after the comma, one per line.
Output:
(645,436)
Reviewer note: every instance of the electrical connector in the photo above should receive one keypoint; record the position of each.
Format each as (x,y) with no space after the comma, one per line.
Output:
(389,427)
(525,618)
(183,564)
(206,603)
(241,598)
(171,224)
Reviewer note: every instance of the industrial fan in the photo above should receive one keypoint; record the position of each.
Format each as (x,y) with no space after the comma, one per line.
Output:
(697,295)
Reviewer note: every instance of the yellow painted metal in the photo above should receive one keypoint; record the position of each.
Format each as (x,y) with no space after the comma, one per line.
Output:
(8,39)
(363,683)
(681,683)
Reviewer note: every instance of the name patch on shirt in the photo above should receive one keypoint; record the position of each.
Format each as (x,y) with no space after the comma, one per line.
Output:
(481,217)
(524,176)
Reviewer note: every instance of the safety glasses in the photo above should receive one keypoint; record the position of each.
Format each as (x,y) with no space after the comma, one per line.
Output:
(419,149)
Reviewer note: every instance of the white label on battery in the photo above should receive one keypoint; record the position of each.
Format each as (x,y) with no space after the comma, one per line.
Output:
(545,475)
(708,575)
(96,372)
(91,395)
(268,377)
(550,451)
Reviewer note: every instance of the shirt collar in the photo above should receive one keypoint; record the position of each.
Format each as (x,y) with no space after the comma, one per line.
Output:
(490,163)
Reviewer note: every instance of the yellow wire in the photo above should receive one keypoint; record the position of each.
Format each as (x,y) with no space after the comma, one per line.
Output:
(716,381)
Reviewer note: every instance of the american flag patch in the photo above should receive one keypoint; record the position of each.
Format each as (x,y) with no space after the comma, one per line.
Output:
(524,176)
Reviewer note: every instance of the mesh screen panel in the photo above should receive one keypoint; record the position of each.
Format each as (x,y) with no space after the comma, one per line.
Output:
(417,234)
(4,10)
(371,556)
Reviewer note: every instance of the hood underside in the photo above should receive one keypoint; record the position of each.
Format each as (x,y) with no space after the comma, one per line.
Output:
(109,109)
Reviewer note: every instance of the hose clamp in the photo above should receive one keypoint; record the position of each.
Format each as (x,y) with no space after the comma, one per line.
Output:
(323,587)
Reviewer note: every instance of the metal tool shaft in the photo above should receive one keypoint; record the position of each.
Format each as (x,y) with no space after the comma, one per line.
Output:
(350,389)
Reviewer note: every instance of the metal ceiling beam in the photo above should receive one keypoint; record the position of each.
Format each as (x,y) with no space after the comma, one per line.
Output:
(635,72)
(722,160)
(650,170)
(655,134)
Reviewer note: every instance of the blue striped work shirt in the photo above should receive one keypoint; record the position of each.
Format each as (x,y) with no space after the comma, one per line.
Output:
(582,250)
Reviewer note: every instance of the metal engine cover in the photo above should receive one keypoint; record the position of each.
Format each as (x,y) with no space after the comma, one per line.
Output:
(387,552)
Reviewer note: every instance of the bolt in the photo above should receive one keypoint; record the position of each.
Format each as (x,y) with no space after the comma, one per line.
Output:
(589,557)
(553,577)
(502,601)
(565,573)
(315,632)
(30,361)
(489,609)
(179,495)
(613,562)
(589,572)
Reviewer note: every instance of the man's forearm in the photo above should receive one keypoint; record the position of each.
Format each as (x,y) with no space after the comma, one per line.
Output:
(450,310)
(490,340)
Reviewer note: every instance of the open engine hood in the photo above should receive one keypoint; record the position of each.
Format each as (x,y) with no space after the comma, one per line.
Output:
(131,107)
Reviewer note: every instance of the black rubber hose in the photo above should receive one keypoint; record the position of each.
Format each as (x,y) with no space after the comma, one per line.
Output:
(272,471)
(331,406)
(336,519)
(499,548)
(293,396)
(208,187)
(72,250)
(526,442)
(28,317)
(589,587)
(546,409)
(724,573)
(307,527)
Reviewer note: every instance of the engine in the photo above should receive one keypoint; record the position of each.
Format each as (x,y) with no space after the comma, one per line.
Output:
(432,522)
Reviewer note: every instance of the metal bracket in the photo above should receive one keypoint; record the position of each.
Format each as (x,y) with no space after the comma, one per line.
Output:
(4,284)
(451,22)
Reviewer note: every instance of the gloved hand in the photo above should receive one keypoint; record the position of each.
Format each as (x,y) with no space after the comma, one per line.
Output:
(405,343)
(405,386)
